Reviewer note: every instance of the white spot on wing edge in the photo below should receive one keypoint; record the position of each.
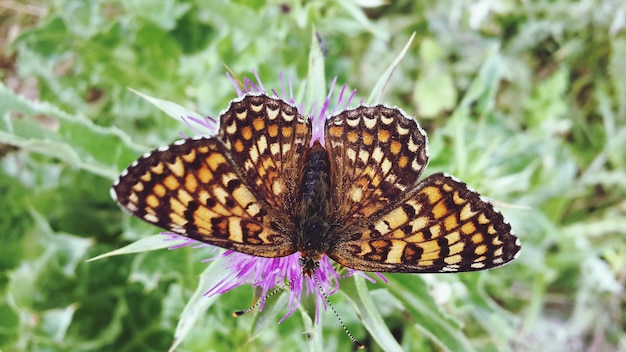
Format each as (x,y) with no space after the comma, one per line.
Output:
(257,94)
(404,114)
(150,218)
(450,268)
(112,190)
(518,243)
(478,265)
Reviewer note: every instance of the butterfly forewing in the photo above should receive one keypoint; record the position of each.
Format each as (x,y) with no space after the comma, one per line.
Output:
(376,156)
(267,138)
(201,189)
(442,226)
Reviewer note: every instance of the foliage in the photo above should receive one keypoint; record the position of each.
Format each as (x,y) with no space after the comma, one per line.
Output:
(525,101)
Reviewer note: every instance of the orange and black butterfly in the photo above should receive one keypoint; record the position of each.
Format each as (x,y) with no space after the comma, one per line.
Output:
(265,186)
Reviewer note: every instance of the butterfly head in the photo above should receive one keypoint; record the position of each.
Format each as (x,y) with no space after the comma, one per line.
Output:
(309,265)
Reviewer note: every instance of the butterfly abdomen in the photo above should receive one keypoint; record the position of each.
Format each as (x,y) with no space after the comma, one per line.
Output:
(312,220)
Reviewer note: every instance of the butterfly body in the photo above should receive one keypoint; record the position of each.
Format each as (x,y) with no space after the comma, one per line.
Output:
(262,188)
(313,222)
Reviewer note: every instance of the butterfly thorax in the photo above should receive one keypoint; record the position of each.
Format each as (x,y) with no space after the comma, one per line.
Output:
(312,221)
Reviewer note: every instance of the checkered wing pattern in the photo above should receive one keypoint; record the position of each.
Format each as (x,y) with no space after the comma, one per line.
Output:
(376,156)
(387,220)
(243,190)
(226,190)
(267,139)
(440,226)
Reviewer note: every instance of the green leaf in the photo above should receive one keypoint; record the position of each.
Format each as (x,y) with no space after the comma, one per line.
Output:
(428,317)
(143,245)
(176,111)
(75,140)
(198,303)
(357,293)
(378,92)
(316,77)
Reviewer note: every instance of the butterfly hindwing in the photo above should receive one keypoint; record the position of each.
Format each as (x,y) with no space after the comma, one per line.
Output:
(442,226)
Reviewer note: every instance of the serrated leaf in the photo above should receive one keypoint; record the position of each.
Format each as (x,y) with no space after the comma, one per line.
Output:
(77,141)
(54,323)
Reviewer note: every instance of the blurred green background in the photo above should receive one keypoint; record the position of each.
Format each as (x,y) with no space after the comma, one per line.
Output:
(523,100)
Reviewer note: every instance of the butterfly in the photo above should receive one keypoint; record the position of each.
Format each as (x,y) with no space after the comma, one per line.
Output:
(268,186)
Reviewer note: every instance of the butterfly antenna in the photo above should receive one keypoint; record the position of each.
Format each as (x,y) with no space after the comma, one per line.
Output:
(356,343)
(264,298)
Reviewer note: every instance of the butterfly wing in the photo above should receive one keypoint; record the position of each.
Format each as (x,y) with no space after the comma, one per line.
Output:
(376,155)
(388,221)
(441,226)
(208,189)
(267,139)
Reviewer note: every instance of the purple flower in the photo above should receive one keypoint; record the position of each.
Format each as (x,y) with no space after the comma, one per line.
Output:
(271,273)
